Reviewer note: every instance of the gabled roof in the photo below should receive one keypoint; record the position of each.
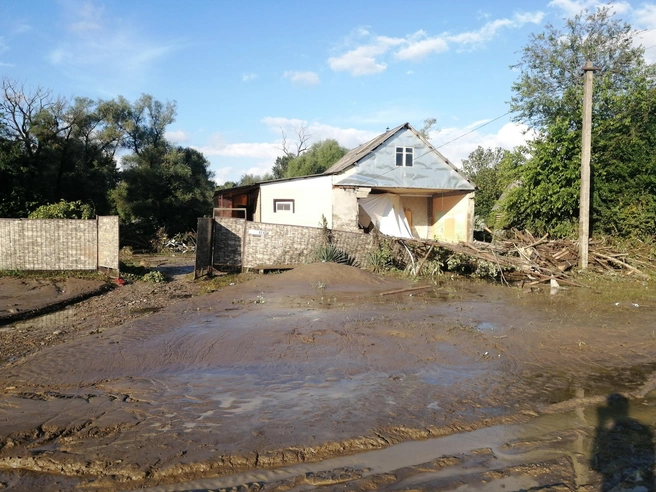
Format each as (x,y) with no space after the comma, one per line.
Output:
(353,156)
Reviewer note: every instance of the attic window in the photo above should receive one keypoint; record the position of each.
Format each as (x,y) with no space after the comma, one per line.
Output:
(404,156)
(284,206)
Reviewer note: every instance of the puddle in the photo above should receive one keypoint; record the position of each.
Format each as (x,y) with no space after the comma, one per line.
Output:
(572,435)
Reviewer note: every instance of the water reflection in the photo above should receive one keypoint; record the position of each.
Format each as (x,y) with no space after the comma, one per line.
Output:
(623,449)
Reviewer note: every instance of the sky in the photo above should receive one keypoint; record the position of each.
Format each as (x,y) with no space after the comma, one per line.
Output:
(245,73)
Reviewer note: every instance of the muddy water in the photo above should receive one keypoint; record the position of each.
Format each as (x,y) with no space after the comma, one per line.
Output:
(457,462)
(281,372)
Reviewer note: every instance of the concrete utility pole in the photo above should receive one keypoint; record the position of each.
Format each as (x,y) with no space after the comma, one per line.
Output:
(584,206)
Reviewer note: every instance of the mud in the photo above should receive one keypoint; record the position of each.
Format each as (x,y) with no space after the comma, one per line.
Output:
(22,298)
(315,364)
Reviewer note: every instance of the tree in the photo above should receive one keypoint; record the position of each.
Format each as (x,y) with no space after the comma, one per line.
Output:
(550,84)
(428,126)
(51,150)
(171,194)
(491,171)
(548,96)
(280,167)
(301,144)
(317,159)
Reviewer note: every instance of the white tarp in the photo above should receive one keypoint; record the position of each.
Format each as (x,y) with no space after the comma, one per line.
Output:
(386,212)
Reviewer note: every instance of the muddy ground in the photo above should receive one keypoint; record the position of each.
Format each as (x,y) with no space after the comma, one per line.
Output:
(312,378)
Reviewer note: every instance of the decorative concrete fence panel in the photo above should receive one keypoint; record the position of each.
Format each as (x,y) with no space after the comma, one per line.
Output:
(245,244)
(59,244)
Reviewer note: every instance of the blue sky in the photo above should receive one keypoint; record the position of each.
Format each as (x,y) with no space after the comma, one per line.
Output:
(242,72)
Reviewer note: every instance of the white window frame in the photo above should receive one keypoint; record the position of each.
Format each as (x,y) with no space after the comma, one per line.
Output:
(405,152)
(288,206)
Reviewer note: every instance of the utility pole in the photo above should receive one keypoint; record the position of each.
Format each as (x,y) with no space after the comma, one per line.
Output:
(584,206)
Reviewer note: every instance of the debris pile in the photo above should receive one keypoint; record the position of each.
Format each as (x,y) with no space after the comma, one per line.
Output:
(543,259)
(524,257)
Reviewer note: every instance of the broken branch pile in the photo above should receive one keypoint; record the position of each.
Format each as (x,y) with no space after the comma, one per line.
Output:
(525,257)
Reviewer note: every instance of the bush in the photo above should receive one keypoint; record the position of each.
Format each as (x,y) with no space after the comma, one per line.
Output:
(381,259)
(331,253)
(64,210)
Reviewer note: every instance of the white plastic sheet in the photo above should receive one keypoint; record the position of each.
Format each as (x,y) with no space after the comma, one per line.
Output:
(386,212)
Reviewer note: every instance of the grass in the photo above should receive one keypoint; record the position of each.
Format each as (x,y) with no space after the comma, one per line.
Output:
(214,283)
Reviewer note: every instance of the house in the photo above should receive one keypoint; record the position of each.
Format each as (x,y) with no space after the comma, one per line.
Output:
(398,182)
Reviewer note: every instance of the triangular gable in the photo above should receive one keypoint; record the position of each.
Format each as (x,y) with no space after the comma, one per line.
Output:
(373,164)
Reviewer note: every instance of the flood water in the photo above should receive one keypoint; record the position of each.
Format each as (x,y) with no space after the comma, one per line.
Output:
(348,387)
(575,435)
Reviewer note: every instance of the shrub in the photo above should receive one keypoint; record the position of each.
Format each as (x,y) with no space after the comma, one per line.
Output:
(64,210)
(331,253)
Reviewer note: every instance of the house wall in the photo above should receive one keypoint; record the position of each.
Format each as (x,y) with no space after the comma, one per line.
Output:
(59,244)
(418,208)
(345,209)
(312,199)
(260,244)
(430,170)
(454,218)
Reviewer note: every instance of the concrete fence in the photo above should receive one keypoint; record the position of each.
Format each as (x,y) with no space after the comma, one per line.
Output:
(238,243)
(59,244)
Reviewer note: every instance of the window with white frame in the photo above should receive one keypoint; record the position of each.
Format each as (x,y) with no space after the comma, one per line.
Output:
(404,156)
(283,206)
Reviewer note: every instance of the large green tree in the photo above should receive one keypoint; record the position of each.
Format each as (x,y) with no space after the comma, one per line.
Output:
(548,97)
(161,185)
(319,157)
(492,171)
(51,150)
(169,194)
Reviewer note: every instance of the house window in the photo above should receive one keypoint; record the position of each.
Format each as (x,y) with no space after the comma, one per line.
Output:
(404,156)
(283,206)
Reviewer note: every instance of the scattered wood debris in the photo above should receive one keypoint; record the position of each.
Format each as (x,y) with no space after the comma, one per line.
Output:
(539,260)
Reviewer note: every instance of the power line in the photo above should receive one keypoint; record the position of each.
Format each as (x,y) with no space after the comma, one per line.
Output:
(473,130)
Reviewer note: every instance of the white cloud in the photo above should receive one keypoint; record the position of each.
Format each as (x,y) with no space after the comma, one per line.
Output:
(216,147)
(177,136)
(347,137)
(96,47)
(303,78)
(421,49)
(3,45)
(645,20)
(362,60)
(370,56)
(573,7)
(247,77)
(508,137)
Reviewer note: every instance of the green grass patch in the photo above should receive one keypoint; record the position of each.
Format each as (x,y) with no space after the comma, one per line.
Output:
(214,283)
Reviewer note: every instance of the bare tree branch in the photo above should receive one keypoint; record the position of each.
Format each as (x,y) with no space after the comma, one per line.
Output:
(300,146)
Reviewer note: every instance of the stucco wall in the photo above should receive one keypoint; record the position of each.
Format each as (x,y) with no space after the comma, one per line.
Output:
(312,199)
(453,217)
(418,207)
(59,244)
(345,209)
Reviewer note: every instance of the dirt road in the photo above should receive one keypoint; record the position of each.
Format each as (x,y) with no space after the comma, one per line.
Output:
(314,364)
